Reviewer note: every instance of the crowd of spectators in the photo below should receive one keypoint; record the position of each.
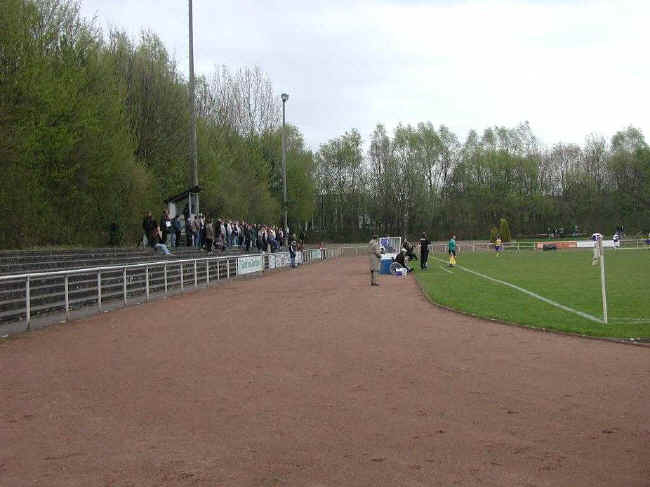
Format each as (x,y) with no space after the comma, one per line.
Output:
(213,234)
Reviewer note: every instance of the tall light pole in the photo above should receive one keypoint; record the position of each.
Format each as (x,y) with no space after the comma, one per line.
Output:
(194,180)
(285,97)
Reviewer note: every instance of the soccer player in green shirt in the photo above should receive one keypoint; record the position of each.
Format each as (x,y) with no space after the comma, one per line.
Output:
(452,251)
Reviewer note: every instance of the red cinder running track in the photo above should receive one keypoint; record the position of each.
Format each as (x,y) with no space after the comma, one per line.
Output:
(313,378)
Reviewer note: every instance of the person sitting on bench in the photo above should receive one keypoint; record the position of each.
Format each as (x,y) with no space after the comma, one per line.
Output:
(157,243)
(403,260)
(409,247)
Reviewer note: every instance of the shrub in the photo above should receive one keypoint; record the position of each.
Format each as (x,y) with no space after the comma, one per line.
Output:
(504,230)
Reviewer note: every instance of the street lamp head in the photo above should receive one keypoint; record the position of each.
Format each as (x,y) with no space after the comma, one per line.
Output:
(284,97)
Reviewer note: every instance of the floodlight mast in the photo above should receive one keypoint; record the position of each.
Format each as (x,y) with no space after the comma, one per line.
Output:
(194,179)
(284,97)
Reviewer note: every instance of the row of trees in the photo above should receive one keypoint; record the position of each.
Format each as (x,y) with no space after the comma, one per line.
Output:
(425,179)
(94,130)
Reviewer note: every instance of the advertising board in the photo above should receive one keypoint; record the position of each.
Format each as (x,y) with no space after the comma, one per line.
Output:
(250,264)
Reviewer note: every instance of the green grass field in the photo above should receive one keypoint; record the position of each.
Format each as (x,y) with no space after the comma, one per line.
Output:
(565,277)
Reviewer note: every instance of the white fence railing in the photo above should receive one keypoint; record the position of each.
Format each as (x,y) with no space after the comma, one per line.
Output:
(77,288)
(26,295)
(483,246)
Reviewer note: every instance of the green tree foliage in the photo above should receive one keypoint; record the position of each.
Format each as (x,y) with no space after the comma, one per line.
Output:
(504,230)
(341,184)
(240,151)
(423,179)
(629,167)
(95,131)
(156,103)
(67,150)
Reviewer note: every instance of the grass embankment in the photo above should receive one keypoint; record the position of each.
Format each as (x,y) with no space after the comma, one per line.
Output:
(565,277)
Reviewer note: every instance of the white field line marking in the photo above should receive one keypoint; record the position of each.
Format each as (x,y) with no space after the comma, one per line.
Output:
(630,320)
(530,293)
(611,249)
(446,270)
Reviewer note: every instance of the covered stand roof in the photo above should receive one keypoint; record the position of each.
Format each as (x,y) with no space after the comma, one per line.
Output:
(184,195)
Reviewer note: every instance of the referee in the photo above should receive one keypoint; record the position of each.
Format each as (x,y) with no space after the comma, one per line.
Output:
(424,251)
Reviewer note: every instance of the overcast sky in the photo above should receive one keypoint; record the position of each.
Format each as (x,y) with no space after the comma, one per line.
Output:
(570,68)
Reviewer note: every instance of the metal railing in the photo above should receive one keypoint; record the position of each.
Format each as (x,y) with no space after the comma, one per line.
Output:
(96,286)
(484,246)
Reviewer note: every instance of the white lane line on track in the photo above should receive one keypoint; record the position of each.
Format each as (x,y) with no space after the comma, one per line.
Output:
(446,270)
(530,293)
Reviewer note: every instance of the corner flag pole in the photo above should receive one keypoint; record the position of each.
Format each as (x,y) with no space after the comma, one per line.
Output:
(603,284)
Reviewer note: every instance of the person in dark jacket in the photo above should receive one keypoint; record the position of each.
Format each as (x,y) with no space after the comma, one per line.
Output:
(403,260)
(176,229)
(156,241)
(148,226)
(209,234)
(251,236)
(293,250)
(264,241)
(165,226)
(424,251)
(189,234)
(409,247)
(301,240)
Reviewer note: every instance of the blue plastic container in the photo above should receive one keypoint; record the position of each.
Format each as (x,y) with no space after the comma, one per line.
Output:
(384,266)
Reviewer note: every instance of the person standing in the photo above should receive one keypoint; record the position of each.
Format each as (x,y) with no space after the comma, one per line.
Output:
(293,250)
(209,234)
(196,231)
(201,230)
(424,251)
(374,256)
(596,237)
(165,225)
(497,245)
(301,242)
(148,226)
(247,236)
(221,233)
(452,250)
(229,233)
(176,231)
(189,238)
(265,243)
(271,239)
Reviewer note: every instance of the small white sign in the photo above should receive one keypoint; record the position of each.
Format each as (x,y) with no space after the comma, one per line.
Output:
(591,243)
(250,264)
(282,259)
